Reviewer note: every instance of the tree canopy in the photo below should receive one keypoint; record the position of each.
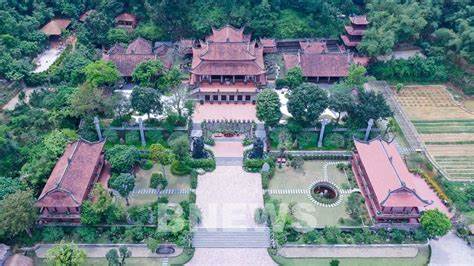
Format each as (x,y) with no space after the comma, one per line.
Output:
(307,102)
(101,73)
(17,213)
(66,254)
(268,107)
(146,100)
(435,223)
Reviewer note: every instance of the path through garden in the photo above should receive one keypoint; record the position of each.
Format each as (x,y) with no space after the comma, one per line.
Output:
(228,198)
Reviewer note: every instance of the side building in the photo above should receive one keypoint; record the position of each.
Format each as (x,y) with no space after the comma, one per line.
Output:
(392,193)
(71,181)
(355,31)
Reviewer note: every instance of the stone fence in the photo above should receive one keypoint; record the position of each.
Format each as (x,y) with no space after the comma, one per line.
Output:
(332,155)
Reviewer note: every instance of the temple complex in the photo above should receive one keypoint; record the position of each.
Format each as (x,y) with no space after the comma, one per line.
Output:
(392,193)
(73,177)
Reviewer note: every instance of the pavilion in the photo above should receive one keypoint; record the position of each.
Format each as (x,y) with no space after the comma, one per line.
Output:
(355,31)
(126,21)
(55,27)
(392,193)
(72,179)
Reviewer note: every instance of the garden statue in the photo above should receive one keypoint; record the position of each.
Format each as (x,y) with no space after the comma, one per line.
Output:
(198,148)
(257,150)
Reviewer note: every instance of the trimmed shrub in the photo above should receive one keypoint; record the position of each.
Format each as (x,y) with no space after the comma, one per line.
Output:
(87,234)
(334,140)
(158,180)
(147,164)
(192,197)
(194,179)
(52,234)
(208,164)
(180,168)
(132,138)
(265,180)
(253,165)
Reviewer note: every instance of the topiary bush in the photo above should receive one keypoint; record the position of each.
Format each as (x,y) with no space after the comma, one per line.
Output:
(158,180)
(206,164)
(180,168)
(147,164)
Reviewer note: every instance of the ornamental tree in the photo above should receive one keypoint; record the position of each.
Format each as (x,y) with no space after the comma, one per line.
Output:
(162,155)
(148,73)
(122,158)
(180,147)
(268,107)
(124,184)
(66,254)
(294,77)
(307,102)
(146,100)
(340,102)
(18,213)
(9,186)
(435,223)
(370,105)
(101,73)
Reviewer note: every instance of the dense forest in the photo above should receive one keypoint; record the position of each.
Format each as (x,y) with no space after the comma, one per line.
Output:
(441,27)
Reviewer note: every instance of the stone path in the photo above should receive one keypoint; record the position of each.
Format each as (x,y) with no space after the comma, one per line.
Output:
(451,250)
(228,197)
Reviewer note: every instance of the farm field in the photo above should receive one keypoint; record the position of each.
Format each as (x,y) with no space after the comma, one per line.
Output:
(444,125)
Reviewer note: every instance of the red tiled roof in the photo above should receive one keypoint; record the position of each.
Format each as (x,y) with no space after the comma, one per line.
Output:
(68,184)
(126,17)
(118,48)
(140,46)
(325,65)
(55,26)
(361,60)
(356,32)
(126,63)
(359,20)
(268,42)
(313,46)
(228,34)
(393,184)
(227,52)
(86,14)
(348,42)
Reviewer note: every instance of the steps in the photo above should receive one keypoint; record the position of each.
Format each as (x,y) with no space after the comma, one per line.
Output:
(229,161)
(232,238)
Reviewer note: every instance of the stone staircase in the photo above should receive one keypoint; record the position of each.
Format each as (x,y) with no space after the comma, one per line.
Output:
(232,238)
(229,161)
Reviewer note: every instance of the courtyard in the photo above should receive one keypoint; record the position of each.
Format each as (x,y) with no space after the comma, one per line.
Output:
(292,187)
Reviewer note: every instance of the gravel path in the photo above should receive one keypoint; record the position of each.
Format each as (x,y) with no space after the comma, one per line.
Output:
(451,250)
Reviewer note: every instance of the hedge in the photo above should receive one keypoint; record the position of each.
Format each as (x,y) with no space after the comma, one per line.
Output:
(207,164)
(180,168)
(253,165)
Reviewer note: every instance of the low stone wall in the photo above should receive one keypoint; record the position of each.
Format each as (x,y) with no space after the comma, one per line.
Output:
(100,250)
(350,251)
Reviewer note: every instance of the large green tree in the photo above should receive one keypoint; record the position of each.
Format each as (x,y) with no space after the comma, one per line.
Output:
(122,158)
(146,100)
(148,73)
(124,183)
(341,102)
(268,107)
(435,223)
(307,102)
(66,254)
(101,73)
(17,213)
(370,105)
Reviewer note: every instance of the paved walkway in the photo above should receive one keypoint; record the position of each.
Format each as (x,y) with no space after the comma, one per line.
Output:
(451,250)
(47,58)
(231,257)
(99,251)
(15,100)
(228,197)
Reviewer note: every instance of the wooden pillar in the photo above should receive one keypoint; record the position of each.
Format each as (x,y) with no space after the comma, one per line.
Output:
(222,79)
(233,79)
(142,132)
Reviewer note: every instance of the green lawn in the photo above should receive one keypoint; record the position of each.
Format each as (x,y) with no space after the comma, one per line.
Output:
(420,260)
(306,210)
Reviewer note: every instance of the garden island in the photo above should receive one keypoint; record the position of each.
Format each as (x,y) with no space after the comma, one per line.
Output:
(236,132)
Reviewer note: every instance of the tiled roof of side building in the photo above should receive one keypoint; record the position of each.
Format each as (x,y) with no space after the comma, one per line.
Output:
(67,186)
(126,17)
(55,26)
(325,65)
(394,185)
(359,20)
(227,34)
(140,46)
